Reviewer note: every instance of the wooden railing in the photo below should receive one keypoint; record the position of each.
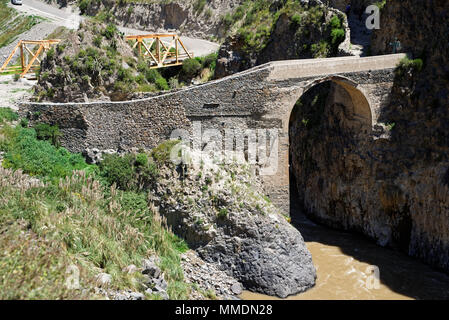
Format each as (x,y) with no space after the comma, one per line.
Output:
(29,57)
(161,54)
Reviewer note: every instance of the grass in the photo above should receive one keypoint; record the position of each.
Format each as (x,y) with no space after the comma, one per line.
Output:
(13,24)
(7,115)
(74,216)
(37,157)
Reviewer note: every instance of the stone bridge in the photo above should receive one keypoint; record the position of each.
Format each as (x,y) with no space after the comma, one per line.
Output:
(260,98)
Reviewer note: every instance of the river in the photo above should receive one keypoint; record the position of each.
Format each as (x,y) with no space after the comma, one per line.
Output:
(344,269)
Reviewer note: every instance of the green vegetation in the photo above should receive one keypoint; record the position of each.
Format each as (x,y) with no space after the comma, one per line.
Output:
(83,5)
(390,126)
(79,218)
(59,33)
(254,21)
(409,65)
(191,67)
(202,67)
(129,172)
(37,157)
(7,115)
(337,32)
(381,4)
(47,132)
(222,213)
(13,24)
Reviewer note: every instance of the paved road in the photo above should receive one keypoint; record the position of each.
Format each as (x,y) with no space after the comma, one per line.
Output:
(70,18)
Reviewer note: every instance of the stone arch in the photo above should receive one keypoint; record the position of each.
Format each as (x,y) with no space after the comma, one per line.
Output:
(320,133)
(363,109)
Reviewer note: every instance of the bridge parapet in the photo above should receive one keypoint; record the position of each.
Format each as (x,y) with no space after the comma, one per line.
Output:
(282,70)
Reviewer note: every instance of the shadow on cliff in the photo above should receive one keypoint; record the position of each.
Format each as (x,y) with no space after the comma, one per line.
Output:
(401,273)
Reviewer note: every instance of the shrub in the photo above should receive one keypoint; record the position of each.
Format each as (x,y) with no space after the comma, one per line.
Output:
(83,5)
(50,54)
(226,20)
(141,159)
(161,83)
(162,152)
(335,22)
(406,64)
(210,61)
(129,172)
(296,19)
(110,32)
(223,213)
(152,75)
(174,83)
(75,221)
(338,35)
(191,68)
(97,41)
(140,79)
(147,87)
(238,14)
(78,222)
(119,170)
(47,132)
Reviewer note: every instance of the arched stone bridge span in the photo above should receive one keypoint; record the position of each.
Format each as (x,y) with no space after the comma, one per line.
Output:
(260,98)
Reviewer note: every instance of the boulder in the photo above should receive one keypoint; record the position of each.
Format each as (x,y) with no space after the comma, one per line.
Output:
(103,279)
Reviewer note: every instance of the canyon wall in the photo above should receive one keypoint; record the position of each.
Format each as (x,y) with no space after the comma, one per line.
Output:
(393,188)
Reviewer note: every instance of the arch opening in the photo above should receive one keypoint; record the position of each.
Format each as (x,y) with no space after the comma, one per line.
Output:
(329,125)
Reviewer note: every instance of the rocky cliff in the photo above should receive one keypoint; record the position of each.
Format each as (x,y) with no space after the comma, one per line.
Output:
(283,30)
(393,187)
(221,212)
(195,18)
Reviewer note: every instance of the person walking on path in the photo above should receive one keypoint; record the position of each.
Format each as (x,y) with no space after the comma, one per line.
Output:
(396,44)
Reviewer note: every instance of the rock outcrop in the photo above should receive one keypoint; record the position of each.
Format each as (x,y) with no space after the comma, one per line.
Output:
(210,280)
(221,212)
(189,18)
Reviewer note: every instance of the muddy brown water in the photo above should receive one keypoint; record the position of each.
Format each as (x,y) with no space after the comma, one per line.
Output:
(344,263)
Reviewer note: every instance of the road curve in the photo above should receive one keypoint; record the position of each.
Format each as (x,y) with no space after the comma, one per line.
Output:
(69,17)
